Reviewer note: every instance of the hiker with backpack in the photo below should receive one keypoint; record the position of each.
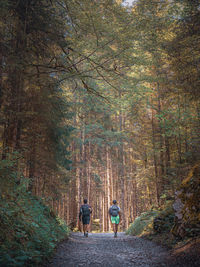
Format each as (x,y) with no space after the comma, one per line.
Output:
(84,216)
(115,216)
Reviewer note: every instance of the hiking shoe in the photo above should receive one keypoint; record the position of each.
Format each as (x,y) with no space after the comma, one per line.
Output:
(115,235)
(86,234)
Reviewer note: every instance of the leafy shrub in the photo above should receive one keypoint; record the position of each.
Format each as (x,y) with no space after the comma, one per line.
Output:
(164,221)
(155,225)
(29,232)
(143,224)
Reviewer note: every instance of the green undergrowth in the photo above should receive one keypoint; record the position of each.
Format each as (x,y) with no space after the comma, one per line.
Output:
(156,226)
(29,229)
(163,226)
(142,224)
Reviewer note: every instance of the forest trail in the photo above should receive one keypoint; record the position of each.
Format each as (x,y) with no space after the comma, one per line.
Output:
(103,250)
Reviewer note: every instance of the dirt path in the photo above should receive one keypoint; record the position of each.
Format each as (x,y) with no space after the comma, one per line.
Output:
(104,250)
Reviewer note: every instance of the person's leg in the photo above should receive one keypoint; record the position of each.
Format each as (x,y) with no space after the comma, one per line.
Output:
(115,229)
(84,228)
(113,225)
(115,232)
(116,224)
(87,225)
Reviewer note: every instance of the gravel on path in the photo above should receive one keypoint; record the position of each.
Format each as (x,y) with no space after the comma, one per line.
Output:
(103,249)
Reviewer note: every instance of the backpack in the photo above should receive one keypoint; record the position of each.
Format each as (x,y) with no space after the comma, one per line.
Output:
(114,210)
(85,210)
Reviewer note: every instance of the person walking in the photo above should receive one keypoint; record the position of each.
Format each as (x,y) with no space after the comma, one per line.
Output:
(84,216)
(115,216)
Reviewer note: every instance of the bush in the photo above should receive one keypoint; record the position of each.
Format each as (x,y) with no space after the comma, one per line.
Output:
(164,221)
(143,224)
(29,232)
(155,225)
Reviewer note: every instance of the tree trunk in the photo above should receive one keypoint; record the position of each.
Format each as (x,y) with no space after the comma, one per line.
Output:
(155,160)
(162,170)
(108,183)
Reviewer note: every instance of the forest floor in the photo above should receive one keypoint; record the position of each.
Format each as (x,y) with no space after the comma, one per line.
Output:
(103,249)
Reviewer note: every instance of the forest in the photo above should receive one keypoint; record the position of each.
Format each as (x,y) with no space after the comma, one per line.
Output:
(98,100)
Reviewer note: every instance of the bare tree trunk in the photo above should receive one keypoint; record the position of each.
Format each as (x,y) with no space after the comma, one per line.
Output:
(155,160)
(167,154)
(108,183)
(89,173)
(78,186)
(162,170)
(103,213)
(121,173)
